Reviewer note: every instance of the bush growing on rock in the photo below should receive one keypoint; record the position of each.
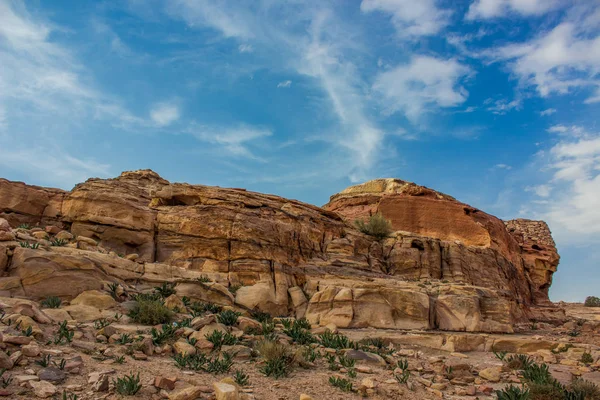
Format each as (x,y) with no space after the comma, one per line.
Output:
(377,226)
(592,301)
(51,302)
(150,312)
(278,358)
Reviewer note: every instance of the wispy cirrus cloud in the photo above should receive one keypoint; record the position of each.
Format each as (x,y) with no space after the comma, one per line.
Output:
(486,9)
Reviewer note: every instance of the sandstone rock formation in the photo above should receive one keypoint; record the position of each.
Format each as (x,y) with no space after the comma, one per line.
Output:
(449,266)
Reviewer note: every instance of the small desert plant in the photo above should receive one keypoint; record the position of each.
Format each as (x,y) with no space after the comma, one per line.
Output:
(402,377)
(129,385)
(192,341)
(150,312)
(113,289)
(167,332)
(44,361)
(198,308)
(513,393)
(519,361)
(219,365)
(234,288)
(343,384)
(27,332)
(228,317)
(310,354)
(261,316)
(377,226)
(402,364)
(125,338)
(64,333)
(241,378)
(278,358)
(61,365)
(346,362)
(585,389)
(58,242)
(500,355)
(28,245)
(574,333)
(69,396)
(587,358)
(538,374)
(101,323)
(299,333)
(332,362)
(5,380)
(220,339)
(204,279)
(335,341)
(165,290)
(51,302)
(592,301)
(120,360)
(24,226)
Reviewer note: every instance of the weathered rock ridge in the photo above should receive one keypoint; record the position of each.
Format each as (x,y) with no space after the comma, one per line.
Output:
(449,266)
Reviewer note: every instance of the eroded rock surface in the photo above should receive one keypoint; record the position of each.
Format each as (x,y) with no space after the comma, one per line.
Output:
(449,266)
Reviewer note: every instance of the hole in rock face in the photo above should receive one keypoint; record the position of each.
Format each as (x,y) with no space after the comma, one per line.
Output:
(417,244)
(536,247)
(182,201)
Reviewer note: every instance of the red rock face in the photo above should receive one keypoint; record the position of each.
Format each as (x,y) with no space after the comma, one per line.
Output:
(523,256)
(451,267)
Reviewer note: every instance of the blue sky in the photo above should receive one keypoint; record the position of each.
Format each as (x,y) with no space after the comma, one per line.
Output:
(495,102)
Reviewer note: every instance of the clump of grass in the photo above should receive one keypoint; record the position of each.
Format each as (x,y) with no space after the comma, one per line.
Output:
(376,226)
(166,333)
(5,381)
(113,289)
(228,317)
(44,361)
(592,301)
(298,330)
(150,312)
(199,308)
(241,378)
(310,354)
(64,333)
(587,358)
(343,384)
(125,338)
(234,288)
(51,302)
(585,389)
(101,323)
(165,290)
(261,316)
(513,393)
(519,361)
(335,341)
(58,242)
(128,385)
(278,359)
(220,339)
(200,362)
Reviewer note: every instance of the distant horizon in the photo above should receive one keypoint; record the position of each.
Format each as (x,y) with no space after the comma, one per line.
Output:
(495,102)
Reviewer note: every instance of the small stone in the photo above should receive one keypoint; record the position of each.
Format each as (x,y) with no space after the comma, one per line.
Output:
(491,374)
(31,350)
(368,383)
(183,347)
(487,390)
(305,397)
(5,361)
(364,369)
(167,383)
(225,391)
(188,393)
(101,385)
(138,355)
(52,374)
(43,389)
(87,240)
(64,235)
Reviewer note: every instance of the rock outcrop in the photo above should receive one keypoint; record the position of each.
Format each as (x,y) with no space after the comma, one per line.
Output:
(449,266)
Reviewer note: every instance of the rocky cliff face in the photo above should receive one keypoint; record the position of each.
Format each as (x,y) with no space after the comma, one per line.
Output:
(449,266)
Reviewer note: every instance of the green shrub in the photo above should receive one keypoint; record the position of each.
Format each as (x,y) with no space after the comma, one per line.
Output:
(261,316)
(234,288)
(64,333)
(200,362)
(587,358)
(335,341)
(241,378)
(51,302)
(519,361)
(592,301)
(346,362)
(198,308)
(278,358)
(344,384)
(165,290)
(5,381)
(166,333)
(585,389)
(310,354)
(125,338)
(545,391)
(129,385)
(228,317)
(220,339)
(513,393)
(537,373)
(58,242)
(402,377)
(377,226)
(299,332)
(150,312)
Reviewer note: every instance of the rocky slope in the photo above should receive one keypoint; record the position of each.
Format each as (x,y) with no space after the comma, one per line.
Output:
(449,266)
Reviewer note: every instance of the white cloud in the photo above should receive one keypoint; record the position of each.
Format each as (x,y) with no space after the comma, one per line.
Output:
(574,131)
(164,114)
(565,58)
(66,170)
(424,83)
(548,111)
(503,166)
(573,189)
(284,84)
(234,139)
(245,48)
(501,107)
(411,18)
(485,9)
